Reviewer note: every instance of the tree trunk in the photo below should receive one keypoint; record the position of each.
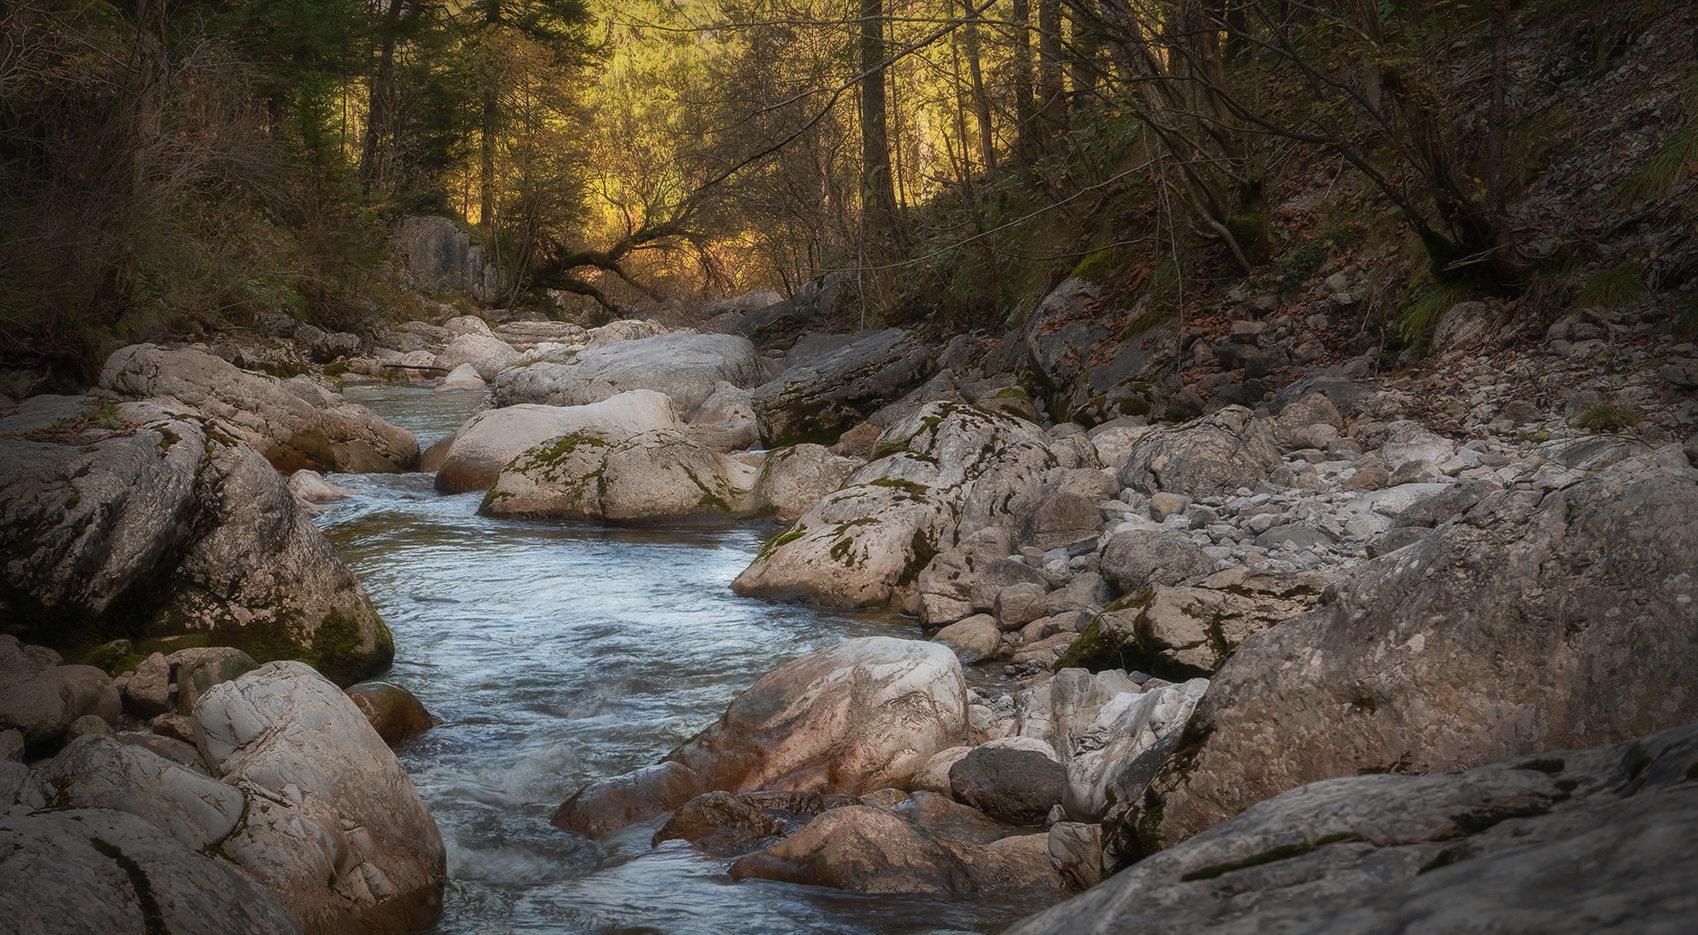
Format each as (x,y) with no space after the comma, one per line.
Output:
(380,108)
(490,122)
(1052,100)
(981,100)
(878,194)
(1081,64)
(1024,113)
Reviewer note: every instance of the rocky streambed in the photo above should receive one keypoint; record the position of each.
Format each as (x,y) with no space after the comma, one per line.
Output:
(971,661)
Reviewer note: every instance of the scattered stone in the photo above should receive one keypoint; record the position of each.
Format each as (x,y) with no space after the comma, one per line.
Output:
(974,639)
(1015,785)
(1136,560)
(396,714)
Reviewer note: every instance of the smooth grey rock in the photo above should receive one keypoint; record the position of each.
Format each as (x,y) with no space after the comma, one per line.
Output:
(311,486)
(291,432)
(1136,560)
(43,705)
(1020,604)
(934,776)
(729,403)
(793,479)
(88,725)
(197,669)
(11,745)
(1019,786)
(1214,455)
(1524,627)
(489,356)
(609,475)
(817,401)
(997,575)
(974,638)
(174,525)
(335,829)
(471,457)
(1447,504)
(101,772)
(98,870)
(395,713)
(1559,843)
(462,378)
(686,367)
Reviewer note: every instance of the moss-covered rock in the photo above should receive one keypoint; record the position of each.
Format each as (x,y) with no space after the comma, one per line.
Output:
(122,536)
(609,475)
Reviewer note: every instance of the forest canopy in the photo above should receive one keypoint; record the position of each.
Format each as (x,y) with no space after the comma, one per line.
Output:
(205,163)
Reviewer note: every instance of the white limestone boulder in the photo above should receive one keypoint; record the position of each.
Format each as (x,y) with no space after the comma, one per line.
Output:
(334,829)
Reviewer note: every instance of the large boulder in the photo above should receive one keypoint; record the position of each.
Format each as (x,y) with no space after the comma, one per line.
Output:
(867,543)
(98,870)
(40,700)
(395,713)
(1530,623)
(1211,456)
(870,850)
(1565,843)
(794,478)
(1063,324)
(100,772)
(471,457)
(334,827)
(525,335)
(623,329)
(1010,783)
(294,423)
(441,255)
(686,367)
(487,355)
(946,584)
(862,715)
(609,475)
(1142,558)
(170,527)
(819,400)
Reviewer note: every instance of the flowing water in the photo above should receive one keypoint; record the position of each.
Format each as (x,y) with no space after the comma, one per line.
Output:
(560,654)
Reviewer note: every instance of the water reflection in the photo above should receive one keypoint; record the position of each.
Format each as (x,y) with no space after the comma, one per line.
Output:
(559,654)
